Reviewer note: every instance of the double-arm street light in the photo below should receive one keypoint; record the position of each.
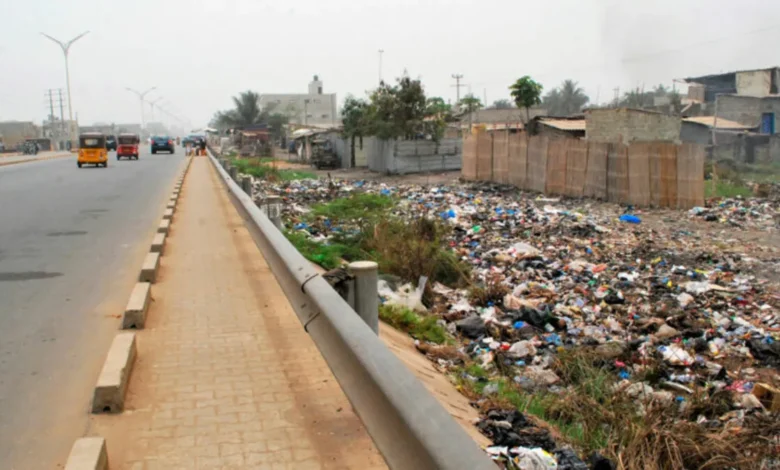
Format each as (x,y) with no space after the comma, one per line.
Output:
(141,96)
(153,103)
(65,49)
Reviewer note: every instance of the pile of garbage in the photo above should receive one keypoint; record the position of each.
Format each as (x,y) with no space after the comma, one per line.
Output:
(551,275)
(741,213)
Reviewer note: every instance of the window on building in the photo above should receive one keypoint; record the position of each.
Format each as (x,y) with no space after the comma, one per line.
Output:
(319,90)
(768,123)
(309,115)
(324,116)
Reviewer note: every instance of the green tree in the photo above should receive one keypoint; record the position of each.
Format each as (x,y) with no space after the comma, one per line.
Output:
(526,93)
(470,103)
(246,111)
(502,104)
(354,115)
(438,114)
(397,110)
(276,123)
(573,98)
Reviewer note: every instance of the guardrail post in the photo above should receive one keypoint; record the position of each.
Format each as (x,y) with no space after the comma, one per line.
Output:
(366,292)
(234,173)
(272,207)
(246,184)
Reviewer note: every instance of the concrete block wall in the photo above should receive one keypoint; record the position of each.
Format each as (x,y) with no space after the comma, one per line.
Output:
(629,125)
(742,109)
(402,157)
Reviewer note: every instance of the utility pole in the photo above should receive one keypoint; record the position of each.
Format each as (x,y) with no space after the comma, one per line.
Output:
(51,110)
(65,49)
(62,116)
(457,86)
(484,94)
(381,51)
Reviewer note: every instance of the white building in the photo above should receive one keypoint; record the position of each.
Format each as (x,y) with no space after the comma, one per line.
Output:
(314,108)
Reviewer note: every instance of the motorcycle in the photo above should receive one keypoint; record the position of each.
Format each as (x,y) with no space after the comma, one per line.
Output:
(29,148)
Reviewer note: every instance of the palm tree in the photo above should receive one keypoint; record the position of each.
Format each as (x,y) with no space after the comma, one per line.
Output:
(246,111)
(573,98)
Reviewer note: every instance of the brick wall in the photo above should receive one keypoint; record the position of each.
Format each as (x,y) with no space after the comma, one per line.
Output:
(630,125)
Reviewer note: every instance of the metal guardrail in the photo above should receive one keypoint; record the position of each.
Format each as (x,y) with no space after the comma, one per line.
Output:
(409,427)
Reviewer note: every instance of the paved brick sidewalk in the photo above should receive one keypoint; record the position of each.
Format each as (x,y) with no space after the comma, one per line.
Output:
(226,377)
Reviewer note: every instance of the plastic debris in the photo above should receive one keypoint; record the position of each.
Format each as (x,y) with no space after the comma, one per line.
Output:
(679,294)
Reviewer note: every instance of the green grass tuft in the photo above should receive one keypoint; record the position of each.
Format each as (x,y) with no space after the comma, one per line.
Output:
(419,327)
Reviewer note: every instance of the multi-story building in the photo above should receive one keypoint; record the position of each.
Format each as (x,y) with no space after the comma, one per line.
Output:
(314,108)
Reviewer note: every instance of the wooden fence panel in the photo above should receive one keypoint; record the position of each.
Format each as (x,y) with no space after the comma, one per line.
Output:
(654,171)
(639,173)
(596,177)
(484,156)
(537,163)
(690,176)
(556,166)
(617,173)
(501,157)
(668,170)
(576,166)
(469,166)
(518,159)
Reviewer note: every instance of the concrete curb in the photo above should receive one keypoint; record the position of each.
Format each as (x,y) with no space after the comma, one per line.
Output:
(149,268)
(168,214)
(88,453)
(137,306)
(158,243)
(109,396)
(164,227)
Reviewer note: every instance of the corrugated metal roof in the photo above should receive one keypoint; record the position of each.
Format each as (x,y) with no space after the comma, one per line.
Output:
(722,123)
(565,124)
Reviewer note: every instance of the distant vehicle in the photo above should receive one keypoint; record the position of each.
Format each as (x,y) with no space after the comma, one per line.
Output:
(162,143)
(29,147)
(92,149)
(128,146)
(110,142)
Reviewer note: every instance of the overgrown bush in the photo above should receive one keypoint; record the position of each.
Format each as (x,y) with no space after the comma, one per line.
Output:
(411,249)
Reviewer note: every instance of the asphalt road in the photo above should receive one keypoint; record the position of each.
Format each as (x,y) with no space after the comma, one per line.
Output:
(71,245)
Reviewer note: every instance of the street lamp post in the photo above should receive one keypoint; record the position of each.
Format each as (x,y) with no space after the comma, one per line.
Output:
(141,96)
(153,103)
(65,49)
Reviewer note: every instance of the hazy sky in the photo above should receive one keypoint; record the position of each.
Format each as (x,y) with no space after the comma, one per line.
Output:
(199,53)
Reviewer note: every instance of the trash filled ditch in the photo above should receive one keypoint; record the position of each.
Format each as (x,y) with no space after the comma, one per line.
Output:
(589,335)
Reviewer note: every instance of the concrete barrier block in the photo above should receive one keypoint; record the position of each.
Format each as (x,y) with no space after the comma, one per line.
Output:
(135,312)
(88,453)
(112,383)
(171,205)
(149,268)
(164,226)
(158,243)
(168,214)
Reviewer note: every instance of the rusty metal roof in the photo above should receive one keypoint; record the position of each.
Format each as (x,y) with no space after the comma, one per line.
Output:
(722,123)
(565,124)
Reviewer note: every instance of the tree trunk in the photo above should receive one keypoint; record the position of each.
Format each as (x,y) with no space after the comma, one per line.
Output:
(352,152)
